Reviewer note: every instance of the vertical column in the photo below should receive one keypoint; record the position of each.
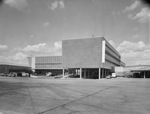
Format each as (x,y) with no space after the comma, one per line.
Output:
(103,73)
(33,64)
(80,73)
(76,71)
(99,73)
(63,72)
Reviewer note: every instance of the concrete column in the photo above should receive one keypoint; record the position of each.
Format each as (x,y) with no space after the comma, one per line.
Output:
(99,73)
(76,71)
(63,72)
(144,74)
(102,70)
(80,73)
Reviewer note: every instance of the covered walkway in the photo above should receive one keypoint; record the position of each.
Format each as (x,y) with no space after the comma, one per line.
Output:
(141,73)
(90,73)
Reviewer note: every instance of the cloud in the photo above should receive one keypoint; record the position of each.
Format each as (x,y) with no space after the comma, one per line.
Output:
(130,16)
(134,53)
(136,36)
(61,3)
(133,6)
(19,4)
(58,45)
(32,36)
(18,58)
(4,59)
(3,47)
(143,15)
(56,4)
(37,48)
(19,55)
(127,45)
(46,24)
(43,49)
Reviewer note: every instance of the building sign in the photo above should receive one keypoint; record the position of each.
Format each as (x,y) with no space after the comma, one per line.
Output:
(103,51)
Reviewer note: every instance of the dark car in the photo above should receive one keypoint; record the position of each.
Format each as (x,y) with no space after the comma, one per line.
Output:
(2,74)
(74,76)
(58,76)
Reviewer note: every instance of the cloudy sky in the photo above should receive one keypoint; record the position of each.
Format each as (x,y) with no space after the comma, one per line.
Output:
(37,27)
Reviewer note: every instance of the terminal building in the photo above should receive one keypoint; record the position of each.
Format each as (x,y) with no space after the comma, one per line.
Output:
(43,64)
(136,71)
(89,57)
(7,68)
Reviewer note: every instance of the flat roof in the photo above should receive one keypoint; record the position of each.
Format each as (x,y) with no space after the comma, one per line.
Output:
(138,66)
(47,56)
(139,70)
(82,38)
(13,64)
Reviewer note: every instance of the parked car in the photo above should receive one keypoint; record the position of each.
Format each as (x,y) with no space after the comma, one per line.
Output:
(25,74)
(2,74)
(108,77)
(58,76)
(48,74)
(14,74)
(74,76)
(68,75)
(113,75)
(11,74)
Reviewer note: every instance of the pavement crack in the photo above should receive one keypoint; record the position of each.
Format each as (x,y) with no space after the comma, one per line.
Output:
(31,100)
(64,104)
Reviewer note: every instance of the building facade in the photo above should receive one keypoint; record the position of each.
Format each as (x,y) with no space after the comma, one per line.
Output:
(94,57)
(7,68)
(43,64)
(89,58)
(137,71)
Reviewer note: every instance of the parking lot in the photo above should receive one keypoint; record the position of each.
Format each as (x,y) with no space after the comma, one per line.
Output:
(74,96)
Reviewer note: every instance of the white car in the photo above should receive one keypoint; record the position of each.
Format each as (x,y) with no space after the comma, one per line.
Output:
(113,75)
(24,74)
(48,74)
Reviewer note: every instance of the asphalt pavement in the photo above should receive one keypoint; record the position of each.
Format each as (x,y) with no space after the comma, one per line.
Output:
(74,96)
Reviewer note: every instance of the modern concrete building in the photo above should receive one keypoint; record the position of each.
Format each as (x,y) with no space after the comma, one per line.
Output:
(94,57)
(88,57)
(137,71)
(43,64)
(6,68)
